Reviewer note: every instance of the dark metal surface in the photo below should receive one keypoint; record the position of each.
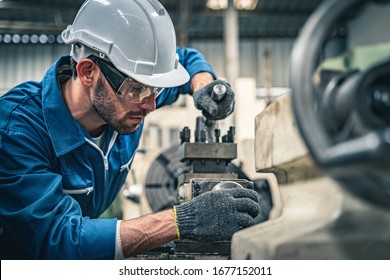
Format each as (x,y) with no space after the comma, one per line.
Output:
(221,151)
(360,162)
(188,250)
(200,186)
(162,178)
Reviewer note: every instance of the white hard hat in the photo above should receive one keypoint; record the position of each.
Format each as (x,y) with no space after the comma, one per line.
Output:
(137,36)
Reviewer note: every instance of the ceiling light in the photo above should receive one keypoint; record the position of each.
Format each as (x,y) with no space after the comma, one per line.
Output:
(34,39)
(238,4)
(25,39)
(42,39)
(51,39)
(16,38)
(245,4)
(7,38)
(59,39)
(217,4)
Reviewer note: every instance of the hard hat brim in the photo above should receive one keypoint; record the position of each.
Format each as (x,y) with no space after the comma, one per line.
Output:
(174,78)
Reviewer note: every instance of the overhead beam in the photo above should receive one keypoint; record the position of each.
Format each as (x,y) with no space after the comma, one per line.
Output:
(28,5)
(30,27)
(257,13)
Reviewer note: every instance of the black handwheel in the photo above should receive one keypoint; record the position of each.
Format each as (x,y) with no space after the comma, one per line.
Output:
(353,148)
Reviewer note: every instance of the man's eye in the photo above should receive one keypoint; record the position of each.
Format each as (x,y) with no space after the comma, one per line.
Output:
(138,89)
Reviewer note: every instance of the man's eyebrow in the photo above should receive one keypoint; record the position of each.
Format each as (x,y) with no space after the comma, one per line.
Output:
(138,83)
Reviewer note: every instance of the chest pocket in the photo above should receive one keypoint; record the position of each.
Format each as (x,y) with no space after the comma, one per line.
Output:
(76,170)
(79,185)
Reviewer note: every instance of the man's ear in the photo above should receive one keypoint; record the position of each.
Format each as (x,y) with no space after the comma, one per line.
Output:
(87,70)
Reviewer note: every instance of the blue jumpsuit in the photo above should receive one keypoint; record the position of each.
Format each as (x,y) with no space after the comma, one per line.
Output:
(54,180)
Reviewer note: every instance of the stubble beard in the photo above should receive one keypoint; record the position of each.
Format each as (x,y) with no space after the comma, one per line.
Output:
(106,108)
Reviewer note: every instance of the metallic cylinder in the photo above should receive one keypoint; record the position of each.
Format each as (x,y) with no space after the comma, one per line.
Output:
(218,93)
(226,185)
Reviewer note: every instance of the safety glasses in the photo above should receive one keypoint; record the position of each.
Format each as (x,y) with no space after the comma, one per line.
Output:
(125,87)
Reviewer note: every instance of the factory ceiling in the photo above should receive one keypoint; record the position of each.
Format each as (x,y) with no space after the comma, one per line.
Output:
(193,20)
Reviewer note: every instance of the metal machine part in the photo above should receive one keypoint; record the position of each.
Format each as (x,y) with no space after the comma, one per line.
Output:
(170,181)
(208,162)
(199,186)
(184,172)
(343,126)
(207,130)
(206,157)
(320,221)
(345,123)
(218,93)
(162,179)
(163,175)
(227,185)
(173,177)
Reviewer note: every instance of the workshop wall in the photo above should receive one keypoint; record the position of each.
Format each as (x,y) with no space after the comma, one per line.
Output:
(253,58)
(21,62)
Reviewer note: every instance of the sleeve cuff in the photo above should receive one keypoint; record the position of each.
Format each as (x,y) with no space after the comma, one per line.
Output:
(97,239)
(118,242)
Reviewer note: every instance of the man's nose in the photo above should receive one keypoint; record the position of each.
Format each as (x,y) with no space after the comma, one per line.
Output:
(148,103)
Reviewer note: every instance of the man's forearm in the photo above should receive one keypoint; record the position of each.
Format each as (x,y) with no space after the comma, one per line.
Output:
(199,80)
(147,232)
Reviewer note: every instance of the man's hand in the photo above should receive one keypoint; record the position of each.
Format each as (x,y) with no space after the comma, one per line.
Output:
(212,216)
(214,110)
(217,215)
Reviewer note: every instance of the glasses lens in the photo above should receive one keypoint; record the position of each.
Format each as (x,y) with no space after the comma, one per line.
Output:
(137,92)
(124,86)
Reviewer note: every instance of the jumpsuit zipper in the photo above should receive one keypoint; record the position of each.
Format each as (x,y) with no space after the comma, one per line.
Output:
(104,156)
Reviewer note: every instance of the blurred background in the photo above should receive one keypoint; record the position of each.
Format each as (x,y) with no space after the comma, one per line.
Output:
(264,32)
(248,43)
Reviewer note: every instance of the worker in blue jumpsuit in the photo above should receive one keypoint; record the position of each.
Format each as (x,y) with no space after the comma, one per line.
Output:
(67,142)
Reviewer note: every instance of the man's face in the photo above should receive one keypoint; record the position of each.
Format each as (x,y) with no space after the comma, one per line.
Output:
(124,116)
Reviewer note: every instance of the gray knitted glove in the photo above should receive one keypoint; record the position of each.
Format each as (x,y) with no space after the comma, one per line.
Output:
(211,109)
(216,215)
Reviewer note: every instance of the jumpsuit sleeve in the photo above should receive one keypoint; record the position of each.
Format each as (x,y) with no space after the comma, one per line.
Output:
(194,62)
(37,220)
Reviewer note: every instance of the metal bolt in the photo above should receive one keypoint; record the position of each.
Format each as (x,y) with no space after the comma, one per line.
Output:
(185,135)
(197,187)
(217,132)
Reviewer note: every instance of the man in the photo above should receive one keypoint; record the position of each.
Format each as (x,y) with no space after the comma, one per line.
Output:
(67,142)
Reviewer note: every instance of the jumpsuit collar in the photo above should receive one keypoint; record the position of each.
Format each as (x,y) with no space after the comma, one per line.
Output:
(66,133)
